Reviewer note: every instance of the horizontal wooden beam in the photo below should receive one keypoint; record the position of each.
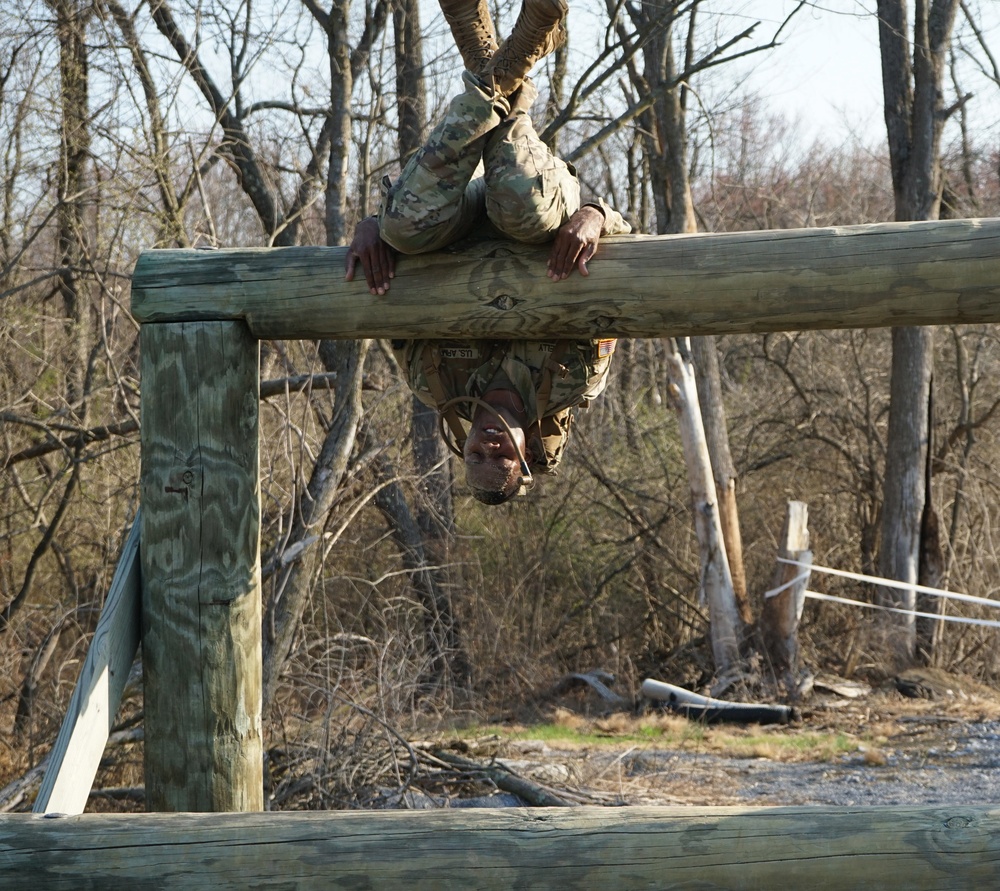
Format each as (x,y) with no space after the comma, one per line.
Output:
(887,274)
(582,848)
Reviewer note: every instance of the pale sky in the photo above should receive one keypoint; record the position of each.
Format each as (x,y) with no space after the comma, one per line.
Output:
(828,71)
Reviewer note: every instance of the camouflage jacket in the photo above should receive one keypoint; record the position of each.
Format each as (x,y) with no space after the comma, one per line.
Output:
(551,377)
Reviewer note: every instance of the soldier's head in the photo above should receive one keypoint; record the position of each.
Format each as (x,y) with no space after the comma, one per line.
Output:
(494,451)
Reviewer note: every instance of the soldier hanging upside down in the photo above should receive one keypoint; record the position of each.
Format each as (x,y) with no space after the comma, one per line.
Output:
(484,167)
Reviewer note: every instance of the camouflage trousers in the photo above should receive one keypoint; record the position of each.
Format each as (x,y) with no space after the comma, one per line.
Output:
(478,165)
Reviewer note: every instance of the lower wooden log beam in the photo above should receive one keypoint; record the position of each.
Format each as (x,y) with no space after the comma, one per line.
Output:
(949,848)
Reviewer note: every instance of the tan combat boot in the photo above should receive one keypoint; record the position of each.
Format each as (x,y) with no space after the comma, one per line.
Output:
(472,27)
(538,31)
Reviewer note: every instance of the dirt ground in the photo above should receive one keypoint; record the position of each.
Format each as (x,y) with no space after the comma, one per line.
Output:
(876,747)
(881,748)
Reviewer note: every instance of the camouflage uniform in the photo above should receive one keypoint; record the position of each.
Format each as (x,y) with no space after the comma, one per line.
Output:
(477,167)
(551,377)
(480,167)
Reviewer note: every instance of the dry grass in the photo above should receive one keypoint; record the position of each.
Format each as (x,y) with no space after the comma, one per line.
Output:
(660,758)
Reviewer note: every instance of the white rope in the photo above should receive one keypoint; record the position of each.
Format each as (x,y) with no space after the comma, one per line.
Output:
(990,623)
(774,592)
(891,583)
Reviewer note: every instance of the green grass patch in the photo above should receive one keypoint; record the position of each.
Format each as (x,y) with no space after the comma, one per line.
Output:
(778,744)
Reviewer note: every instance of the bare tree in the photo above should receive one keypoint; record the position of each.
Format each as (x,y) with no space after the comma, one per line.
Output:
(915,115)
(74,212)
(431,548)
(62,375)
(173,201)
(75,187)
(328,163)
(290,591)
(663,83)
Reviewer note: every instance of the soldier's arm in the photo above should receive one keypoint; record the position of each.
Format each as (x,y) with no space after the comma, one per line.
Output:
(378,260)
(614,222)
(576,243)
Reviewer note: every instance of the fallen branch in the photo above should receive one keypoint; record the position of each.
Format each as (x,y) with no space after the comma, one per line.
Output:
(17,791)
(708,710)
(506,780)
(598,681)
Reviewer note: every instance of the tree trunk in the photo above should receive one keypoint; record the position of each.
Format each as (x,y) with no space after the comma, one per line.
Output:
(74,190)
(443,641)
(625,392)
(290,591)
(931,570)
(435,515)
(341,87)
(37,664)
(903,493)
(716,520)
(713,413)
(915,117)
(411,99)
(426,547)
(716,581)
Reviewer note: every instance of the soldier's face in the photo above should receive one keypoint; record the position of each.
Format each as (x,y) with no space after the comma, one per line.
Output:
(491,455)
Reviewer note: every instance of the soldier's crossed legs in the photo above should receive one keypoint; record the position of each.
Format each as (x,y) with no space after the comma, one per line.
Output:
(475,165)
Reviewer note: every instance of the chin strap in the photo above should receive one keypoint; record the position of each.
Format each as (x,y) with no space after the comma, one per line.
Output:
(448,418)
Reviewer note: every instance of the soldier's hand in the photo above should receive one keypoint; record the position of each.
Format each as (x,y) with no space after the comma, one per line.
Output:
(378,260)
(576,243)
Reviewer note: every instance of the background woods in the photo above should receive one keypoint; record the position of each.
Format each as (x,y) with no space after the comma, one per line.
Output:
(390,595)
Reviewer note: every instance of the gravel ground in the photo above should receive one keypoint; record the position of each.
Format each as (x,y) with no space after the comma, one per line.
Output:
(964,771)
(963,767)
(902,752)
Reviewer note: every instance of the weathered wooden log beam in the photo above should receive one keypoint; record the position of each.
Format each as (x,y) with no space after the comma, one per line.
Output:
(583,848)
(928,273)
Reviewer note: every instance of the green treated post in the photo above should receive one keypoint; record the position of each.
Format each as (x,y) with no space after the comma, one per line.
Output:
(200,557)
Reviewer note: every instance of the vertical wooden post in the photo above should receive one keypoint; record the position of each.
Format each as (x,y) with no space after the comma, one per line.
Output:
(781,613)
(200,546)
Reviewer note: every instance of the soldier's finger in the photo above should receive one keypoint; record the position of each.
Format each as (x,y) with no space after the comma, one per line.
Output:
(572,257)
(388,262)
(372,274)
(560,258)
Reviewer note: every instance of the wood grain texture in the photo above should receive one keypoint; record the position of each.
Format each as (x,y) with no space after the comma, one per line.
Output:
(886,274)
(76,754)
(948,848)
(200,492)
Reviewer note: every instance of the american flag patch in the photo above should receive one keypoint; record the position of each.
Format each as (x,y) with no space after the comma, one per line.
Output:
(606,347)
